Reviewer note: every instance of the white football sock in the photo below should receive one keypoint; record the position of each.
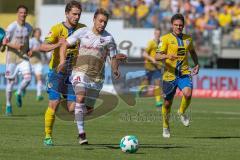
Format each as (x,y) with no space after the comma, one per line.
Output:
(39,88)
(9,89)
(23,85)
(80,109)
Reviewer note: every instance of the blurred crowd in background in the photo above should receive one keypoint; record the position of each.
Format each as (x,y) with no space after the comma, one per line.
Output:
(213,24)
(208,21)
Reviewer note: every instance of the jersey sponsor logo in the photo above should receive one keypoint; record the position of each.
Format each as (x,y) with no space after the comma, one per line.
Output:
(181,51)
(49,85)
(76,80)
(102,40)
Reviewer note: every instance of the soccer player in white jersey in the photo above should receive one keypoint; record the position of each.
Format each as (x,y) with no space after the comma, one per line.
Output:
(17,61)
(36,60)
(87,77)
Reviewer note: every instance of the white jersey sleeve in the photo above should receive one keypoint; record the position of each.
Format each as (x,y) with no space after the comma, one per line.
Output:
(112,48)
(10,30)
(31,43)
(77,35)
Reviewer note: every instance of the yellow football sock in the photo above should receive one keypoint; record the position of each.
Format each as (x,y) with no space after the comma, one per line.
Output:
(157,94)
(184,105)
(49,120)
(165,116)
(141,87)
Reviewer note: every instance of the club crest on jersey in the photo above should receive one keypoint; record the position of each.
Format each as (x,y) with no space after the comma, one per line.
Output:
(49,34)
(49,85)
(102,40)
(187,41)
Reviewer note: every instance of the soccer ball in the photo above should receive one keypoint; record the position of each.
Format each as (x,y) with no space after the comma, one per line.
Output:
(129,144)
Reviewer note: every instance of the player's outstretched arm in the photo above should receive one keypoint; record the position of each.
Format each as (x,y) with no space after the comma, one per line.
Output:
(62,54)
(194,56)
(163,56)
(115,61)
(146,56)
(115,66)
(46,47)
(11,45)
(31,51)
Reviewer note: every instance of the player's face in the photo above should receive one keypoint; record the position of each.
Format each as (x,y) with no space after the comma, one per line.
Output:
(22,14)
(73,16)
(100,23)
(37,34)
(177,26)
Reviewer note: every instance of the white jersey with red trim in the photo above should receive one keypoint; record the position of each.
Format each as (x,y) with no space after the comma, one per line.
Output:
(93,51)
(18,34)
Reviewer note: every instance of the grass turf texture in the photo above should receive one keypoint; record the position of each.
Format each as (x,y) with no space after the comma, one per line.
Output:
(214,132)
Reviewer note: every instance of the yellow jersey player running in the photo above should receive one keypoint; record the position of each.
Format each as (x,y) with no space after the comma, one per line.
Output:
(174,49)
(58,84)
(153,67)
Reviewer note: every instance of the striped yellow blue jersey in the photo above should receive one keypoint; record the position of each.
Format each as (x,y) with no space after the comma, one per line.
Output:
(61,31)
(180,46)
(151,51)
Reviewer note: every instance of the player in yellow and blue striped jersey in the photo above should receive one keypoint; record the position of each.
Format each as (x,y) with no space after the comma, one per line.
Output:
(58,85)
(173,49)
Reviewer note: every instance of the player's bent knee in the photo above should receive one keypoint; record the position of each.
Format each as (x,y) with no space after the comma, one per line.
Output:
(187,95)
(71,107)
(79,98)
(167,104)
(9,87)
(54,104)
(187,92)
(27,77)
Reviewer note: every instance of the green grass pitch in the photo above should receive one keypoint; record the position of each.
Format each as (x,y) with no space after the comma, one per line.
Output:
(214,133)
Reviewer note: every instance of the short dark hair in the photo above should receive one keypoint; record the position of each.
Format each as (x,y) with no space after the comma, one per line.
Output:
(101,11)
(22,6)
(72,4)
(177,16)
(35,30)
(158,29)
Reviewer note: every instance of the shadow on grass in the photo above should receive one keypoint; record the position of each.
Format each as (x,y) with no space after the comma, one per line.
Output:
(13,117)
(217,137)
(20,116)
(116,146)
